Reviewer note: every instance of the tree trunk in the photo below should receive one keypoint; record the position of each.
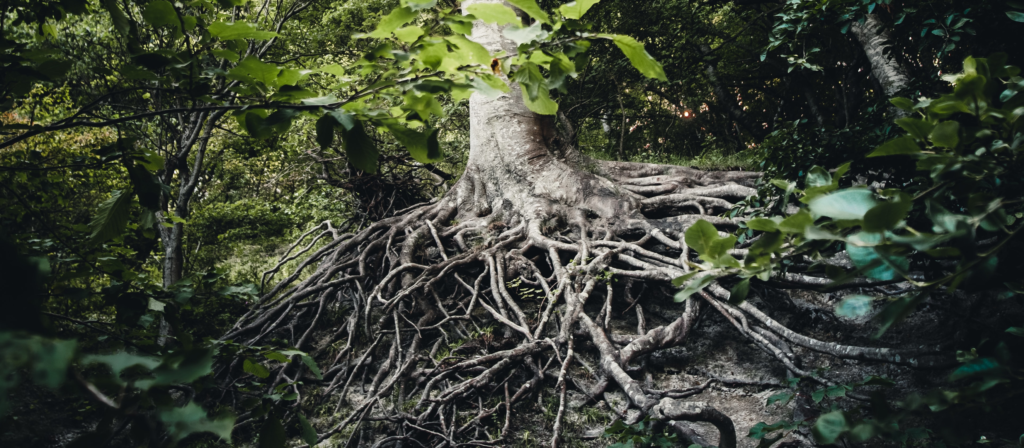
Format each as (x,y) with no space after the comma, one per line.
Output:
(874,38)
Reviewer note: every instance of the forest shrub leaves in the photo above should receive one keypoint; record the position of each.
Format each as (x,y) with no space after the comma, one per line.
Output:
(494,13)
(111,217)
(575,10)
(239,30)
(638,56)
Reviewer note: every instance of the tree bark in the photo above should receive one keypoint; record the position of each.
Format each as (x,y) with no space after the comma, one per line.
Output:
(874,38)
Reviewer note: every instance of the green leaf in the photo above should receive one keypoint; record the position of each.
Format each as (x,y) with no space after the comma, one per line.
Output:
(638,56)
(272,434)
(275,356)
(916,127)
(762,224)
(120,361)
(897,146)
(161,13)
(493,13)
(117,17)
(255,69)
(829,426)
(851,203)
(360,148)
(422,146)
(700,236)
(575,10)
(530,7)
(796,223)
(1016,16)
(817,177)
(226,54)
(979,366)
(325,130)
(254,368)
(311,364)
(409,34)
(902,103)
(307,432)
(679,281)
(239,30)
(417,5)
(184,421)
(896,311)
(525,34)
(111,217)
(855,306)
(543,105)
(782,397)
(739,292)
(886,215)
(945,134)
(391,22)
(693,287)
(472,52)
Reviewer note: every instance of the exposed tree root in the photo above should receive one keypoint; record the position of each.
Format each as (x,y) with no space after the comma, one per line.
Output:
(382,310)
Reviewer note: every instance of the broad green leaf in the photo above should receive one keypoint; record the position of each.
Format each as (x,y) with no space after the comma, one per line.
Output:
(360,148)
(693,287)
(817,177)
(255,69)
(829,427)
(117,17)
(781,397)
(862,249)
(161,13)
(417,5)
(762,224)
(575,10)
(181,367)
(916,127)
(493,13)
(796,223)
(945,134)
(489,85)
(226,54)
(306,431)
(854,306)
(333,69)
(638,56)
(111,217)
(979,366)
(391,22)
(409,34)
(422,146)
(254,368)
(886,215)
(902,103)
(739,292)
(851,203)
(679,281)
(275,356)
(292,94)
(543,105)
(311,364)
(325,130)
(1016,16)
(239,30)
(530,80)
(272,434)
(897,146)
(184,421)
(472,52)
(896,311)
(700,236)
(530,7)
(525,34)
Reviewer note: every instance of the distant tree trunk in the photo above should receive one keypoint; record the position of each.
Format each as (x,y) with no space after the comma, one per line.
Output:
(725,101)
(874,38)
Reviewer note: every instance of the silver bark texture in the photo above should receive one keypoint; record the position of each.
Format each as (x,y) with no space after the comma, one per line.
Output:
(874,38)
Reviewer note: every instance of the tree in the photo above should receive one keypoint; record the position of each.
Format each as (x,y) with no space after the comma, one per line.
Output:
(530,210)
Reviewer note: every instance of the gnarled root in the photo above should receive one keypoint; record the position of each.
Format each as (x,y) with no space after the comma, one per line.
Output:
(439,327)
